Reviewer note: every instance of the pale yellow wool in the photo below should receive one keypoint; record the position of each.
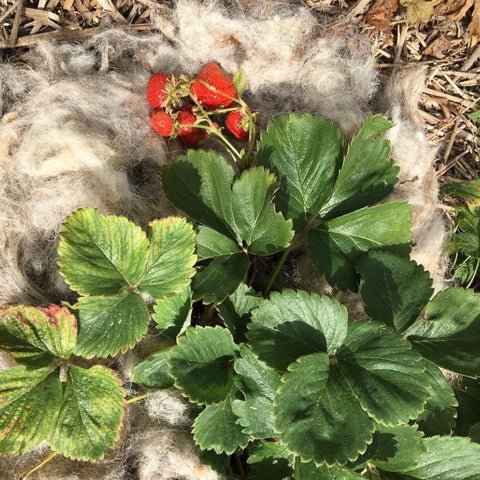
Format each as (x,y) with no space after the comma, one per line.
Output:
(74,132)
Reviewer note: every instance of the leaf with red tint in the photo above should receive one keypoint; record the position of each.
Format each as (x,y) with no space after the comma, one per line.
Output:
(36,336)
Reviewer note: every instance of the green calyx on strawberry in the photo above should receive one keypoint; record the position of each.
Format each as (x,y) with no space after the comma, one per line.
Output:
(213,88)
(165,91)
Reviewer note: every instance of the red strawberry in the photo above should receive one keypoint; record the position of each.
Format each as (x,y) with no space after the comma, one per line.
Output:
(222,84)
(162,123)
(156,93)
(237,124)
(187,133)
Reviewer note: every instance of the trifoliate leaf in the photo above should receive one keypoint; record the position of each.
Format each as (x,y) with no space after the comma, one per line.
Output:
(468,395)
(235,310)
(444,458)
(202,364)
(91,414)
(154,371)
(219,278)
(258,383)
(449,332)
(367,174)
(336,244)
(395,448)
(304,152)
(211,244)
(255,221)
(170,260)
(108,325)
(172,315)
(35,336)
(395,289)
(29,403)
(310,471)
(199,183)
(383,371)
(292,324)
(100,255)
(317,415)
(438,418)
(216,428)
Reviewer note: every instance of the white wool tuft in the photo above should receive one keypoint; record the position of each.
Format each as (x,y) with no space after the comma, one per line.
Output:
(74,132)
(168,407)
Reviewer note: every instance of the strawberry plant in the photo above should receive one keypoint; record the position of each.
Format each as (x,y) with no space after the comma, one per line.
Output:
(284,384)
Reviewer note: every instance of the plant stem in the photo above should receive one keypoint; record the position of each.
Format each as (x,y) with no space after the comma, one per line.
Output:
(39,465)
(477,264)
(279,266)
(140,397)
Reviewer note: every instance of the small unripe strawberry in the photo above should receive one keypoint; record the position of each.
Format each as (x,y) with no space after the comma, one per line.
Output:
(162,123)
(156,92)
(223,87)
(237,124)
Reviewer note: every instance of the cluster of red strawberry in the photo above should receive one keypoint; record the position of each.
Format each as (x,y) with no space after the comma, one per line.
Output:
(189,109)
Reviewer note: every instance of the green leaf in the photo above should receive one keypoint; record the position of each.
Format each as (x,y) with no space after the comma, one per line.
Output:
(468,406)
(29,403)
(292,324)
(469,243)
(316,414)
(269,449)
(100,255)
(438,418)
(445,458)
(235,310)
(468,190)
(240,80)
(310,471)
(108,325)
(465,272)
(170,260)
(258,384)
(449,332)
(91,414)
(263,230)
(172,315)
(220,277)
(34,336)
(395,448)
(199,183)
(154,371)
(270,467)
(367,174)
(202,364)
(216,429)
(211,244)
(336,244)
(395,289)
(384,373)
(218,461)
(304,152)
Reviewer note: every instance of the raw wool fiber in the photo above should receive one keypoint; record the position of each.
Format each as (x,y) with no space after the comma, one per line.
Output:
(75,132)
